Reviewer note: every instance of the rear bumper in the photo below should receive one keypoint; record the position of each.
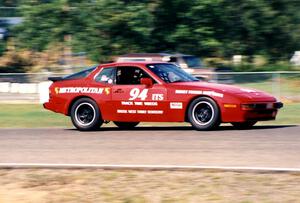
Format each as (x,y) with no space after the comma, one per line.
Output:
(50,106)
(46,105)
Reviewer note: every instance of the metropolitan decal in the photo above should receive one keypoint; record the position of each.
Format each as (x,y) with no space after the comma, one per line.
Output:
(89,90)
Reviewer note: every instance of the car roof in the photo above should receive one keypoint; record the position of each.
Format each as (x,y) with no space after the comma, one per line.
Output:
(132,63)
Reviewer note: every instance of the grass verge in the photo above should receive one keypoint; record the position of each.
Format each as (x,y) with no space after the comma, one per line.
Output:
(33,115)
(146,186)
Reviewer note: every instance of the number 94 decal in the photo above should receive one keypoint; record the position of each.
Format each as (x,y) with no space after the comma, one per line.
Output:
(136,93)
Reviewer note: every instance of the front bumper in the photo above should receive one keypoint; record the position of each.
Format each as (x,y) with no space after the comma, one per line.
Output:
(261,106)
(261,111)
(256,111)
(278,105)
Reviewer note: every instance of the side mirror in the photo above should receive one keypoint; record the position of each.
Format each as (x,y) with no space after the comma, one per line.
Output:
(147,81)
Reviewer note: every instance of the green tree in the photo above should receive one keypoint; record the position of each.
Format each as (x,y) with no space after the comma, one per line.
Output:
(100,28)
(257,26)
(113,27)
(222,28)
(2,47)
(44,24)
(196,31)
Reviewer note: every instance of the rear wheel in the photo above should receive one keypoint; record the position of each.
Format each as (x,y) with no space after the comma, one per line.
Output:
(243,125)
(126,125)
(204,114)
(85,115)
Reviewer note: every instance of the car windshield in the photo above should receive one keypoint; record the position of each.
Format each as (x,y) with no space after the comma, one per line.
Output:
(192,61)
(170,73)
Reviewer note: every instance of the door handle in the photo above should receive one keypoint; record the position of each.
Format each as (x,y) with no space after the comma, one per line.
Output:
(118,91)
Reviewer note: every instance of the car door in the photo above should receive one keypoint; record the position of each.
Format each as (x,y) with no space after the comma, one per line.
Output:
(104,80)
(133,101)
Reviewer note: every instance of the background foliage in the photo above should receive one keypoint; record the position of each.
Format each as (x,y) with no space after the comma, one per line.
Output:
(207,28)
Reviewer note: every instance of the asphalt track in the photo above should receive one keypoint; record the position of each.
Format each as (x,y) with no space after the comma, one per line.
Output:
(262,146)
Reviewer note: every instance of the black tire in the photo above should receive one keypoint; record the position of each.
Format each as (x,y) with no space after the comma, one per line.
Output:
(126,125)
(85,115)
(204,114)
(243,125)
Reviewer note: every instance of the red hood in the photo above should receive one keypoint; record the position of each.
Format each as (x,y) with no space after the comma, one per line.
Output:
(225,89)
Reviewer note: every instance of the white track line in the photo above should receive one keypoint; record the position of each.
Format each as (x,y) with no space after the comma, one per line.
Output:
(141,167)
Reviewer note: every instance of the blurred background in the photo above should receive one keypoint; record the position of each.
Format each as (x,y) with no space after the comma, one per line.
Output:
(252,43)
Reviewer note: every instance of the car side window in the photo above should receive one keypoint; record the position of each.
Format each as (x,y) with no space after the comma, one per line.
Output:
(130,75)
(106,75)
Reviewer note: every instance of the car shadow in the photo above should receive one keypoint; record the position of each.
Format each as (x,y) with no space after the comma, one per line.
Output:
(187,128)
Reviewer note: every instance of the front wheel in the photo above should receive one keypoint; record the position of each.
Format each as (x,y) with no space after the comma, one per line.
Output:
(126,125)
(85,114)
(243,125)
(204,114)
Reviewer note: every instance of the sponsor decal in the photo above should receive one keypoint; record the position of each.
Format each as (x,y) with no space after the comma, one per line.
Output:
(127,103)
(136,93)
(131,103)
(181,91)
(141,111)
(121,111)
(157,97)
(247,90)
(176,105)
(195,92)
(155,112)
(209,93)
(133,111)
(56,90)
(107,90)
(150,103)
(92,90)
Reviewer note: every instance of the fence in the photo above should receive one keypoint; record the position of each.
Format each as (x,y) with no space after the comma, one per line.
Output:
(24,87)
(33,87)
(284,85)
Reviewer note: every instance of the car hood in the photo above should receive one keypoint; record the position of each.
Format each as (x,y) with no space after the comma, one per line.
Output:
(225,89)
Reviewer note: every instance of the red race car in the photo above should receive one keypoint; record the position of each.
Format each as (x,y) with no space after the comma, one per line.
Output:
(131,92)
